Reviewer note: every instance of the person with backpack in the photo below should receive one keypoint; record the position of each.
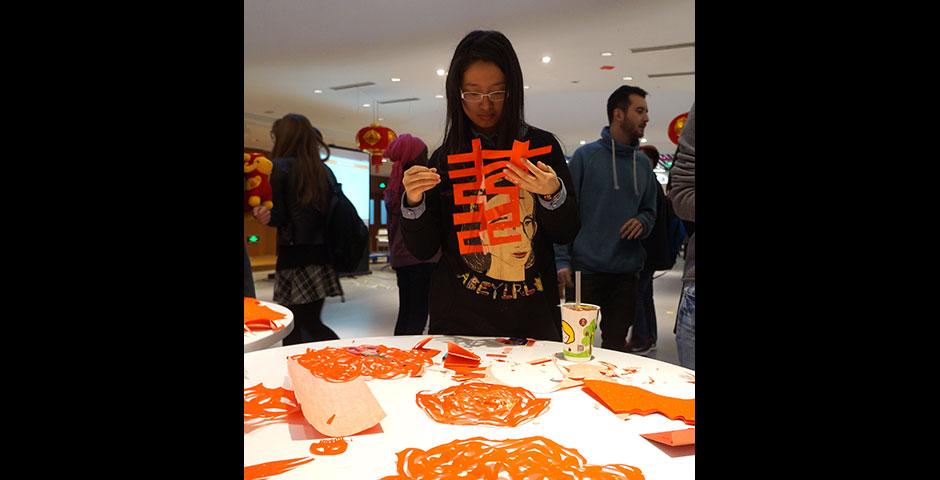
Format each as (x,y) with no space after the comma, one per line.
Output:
(661,251)
(616,191)
(303,187)
(414,276)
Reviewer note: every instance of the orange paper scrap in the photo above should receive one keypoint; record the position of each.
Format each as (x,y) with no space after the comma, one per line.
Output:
(675,438)
(260,317)
(422,343)
(267,470)
(458,351)
(482,458)
(374,361)
(268,403)
(330,446)
(629,399)
(479,403)
(335,409)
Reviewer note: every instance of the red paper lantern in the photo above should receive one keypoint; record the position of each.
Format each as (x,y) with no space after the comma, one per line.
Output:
(676,126)
(373,140)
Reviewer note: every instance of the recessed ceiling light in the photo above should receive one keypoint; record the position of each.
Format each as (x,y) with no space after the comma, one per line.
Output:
(526,87)
(628,78)
(583,142)
(546,59)
(642,140)
(318,91)
(607,54)
(395,79)
(441,72)
(380,119)
(366,105)
(438,96)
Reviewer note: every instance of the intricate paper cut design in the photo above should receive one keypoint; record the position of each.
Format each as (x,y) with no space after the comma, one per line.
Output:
(479,403)
(330,446)
(372,361)
(262,403)
(524,458)
(269,469)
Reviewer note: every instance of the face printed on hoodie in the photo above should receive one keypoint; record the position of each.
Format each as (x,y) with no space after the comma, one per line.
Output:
(636,118)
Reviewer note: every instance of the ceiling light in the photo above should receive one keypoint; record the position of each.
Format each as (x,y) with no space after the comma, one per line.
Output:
(526,87)
(438,96)
(366,105)
(583,142)
(628,78)
(607,54)
(380,119)
(441,72)
(394,79)
(546,59)
(642,140)
(318,91)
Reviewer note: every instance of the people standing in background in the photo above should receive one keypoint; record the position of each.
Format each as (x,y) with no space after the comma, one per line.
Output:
(497,278)
(682,196)
(616,190)
(301,184)
(414,276)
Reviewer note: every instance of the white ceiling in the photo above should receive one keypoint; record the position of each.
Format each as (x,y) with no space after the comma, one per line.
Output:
(293,47)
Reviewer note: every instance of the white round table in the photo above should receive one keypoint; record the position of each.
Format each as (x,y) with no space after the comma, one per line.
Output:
(574,419)
(266,338)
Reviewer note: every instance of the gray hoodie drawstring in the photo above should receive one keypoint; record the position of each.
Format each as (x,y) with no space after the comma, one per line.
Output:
(635,189)
(613,165)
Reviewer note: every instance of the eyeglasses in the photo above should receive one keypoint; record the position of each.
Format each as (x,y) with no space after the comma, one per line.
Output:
(477,97)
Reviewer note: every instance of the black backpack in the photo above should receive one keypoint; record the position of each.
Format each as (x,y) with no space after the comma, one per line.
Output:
(347,237)
(660,244)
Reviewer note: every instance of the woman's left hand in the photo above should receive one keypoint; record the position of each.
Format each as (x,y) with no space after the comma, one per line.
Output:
(540,179)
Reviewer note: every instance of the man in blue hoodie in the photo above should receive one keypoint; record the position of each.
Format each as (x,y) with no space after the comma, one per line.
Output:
(615,186)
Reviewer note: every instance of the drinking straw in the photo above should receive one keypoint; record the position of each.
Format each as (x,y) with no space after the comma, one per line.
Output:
(577,289)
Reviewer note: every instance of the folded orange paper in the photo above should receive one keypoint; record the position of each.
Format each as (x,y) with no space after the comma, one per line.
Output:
(629,399)
(675,438)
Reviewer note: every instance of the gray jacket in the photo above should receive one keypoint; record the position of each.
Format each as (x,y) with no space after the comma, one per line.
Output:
(682,193)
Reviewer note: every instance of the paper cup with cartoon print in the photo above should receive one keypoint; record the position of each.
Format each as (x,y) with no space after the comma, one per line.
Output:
(577,330)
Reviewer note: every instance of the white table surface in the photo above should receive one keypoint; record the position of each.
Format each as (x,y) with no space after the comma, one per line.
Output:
(265,338)
(600,436)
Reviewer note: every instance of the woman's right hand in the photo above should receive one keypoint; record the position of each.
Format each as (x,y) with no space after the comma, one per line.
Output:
(417,180)
(261,214)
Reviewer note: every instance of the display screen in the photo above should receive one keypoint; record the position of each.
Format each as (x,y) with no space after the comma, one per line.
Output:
(351,168)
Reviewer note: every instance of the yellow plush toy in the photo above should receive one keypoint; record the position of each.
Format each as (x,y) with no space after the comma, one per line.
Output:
(258,181)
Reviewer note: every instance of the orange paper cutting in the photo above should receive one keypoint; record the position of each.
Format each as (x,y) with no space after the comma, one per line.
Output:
(268,403)
(675,438)
(330,446)
(479,458)
(267,470)
(260,317)
(479,403)
(335,409)
(421,344)
(458,351)
(374,361)
(629,399)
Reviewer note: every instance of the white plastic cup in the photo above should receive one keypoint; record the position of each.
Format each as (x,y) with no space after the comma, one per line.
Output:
(578,325)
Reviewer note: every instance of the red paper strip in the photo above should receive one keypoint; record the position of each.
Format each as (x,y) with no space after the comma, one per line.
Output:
(266,470)
(674,438)
(629,399)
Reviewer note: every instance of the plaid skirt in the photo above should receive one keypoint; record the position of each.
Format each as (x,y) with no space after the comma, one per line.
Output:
(296,286)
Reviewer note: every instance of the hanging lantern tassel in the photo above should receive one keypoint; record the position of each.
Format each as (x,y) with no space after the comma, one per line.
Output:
(373,140)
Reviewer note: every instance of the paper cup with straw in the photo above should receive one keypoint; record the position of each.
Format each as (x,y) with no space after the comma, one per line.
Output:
(578,323)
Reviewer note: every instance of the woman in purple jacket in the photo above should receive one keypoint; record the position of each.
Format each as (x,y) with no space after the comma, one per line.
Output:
(414,276)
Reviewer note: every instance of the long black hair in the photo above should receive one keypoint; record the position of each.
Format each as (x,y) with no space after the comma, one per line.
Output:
(295,136)
(488,46)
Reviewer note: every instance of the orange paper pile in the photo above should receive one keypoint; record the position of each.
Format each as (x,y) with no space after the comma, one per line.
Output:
(259,317)
(629,399)
(530,457)
(479,403)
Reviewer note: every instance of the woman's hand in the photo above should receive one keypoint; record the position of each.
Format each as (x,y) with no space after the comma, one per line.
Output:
(261,214)
(540,180)
(417,180)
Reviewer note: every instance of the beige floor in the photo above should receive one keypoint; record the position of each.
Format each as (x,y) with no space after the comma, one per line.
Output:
(371,306)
